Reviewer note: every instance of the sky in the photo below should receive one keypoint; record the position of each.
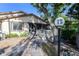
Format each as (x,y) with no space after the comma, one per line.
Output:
(28,8)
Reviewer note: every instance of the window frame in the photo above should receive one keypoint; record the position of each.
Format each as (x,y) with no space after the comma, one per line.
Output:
(17,29)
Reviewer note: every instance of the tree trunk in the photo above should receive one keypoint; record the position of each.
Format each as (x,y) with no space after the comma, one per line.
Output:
(53,29)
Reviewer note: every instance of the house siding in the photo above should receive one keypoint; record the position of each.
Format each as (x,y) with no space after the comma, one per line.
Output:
(5,27)
(25,19)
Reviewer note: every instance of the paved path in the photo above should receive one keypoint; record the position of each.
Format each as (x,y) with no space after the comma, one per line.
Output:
(34,49)
(11,42)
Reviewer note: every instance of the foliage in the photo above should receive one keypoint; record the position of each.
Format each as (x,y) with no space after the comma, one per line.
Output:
(69,36)
(11,35)
(74,11)
(72,27)
(23,34)
(50,10)
(69,31)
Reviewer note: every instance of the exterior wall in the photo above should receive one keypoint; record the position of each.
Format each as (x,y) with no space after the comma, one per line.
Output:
(5,27)
(26,26)
(27,19)
(11,25)
(31,19)
(8,24)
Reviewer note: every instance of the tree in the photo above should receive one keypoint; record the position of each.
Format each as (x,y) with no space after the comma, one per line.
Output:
(50,11)
(73,13)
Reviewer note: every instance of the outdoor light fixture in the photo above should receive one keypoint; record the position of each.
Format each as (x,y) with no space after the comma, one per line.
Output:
(59,22)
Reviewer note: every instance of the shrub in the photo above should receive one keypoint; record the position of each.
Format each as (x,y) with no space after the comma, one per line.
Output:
(23,34)
(11,35)
(69,35)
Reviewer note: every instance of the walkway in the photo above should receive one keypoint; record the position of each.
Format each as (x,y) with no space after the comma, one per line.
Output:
(34,49)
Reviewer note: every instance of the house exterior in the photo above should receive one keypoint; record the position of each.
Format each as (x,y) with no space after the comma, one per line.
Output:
(18,21)
(15,22)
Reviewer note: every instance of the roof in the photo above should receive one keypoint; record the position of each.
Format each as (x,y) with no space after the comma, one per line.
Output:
(13,12)
(9,15)
(16,14)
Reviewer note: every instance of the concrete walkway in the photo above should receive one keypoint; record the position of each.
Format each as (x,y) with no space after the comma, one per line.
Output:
(34,49)
(11,42)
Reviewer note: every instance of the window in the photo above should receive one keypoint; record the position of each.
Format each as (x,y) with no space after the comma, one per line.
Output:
(18,25)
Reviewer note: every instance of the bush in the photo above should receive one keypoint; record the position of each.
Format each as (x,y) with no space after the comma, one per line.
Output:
(11,35)
(69,35)
(23,34)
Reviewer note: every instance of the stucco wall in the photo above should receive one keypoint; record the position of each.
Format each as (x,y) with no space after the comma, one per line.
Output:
(31,19)
(5,26)
(8,24)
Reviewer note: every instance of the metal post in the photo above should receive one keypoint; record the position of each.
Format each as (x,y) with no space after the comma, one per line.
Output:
(59,39)
(59,22)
